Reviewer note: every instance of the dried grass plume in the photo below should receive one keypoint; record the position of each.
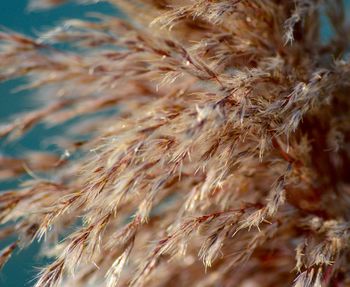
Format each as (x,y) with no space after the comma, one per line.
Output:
(223,160)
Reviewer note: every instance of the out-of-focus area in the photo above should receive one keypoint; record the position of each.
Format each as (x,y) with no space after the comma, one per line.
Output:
(14,15)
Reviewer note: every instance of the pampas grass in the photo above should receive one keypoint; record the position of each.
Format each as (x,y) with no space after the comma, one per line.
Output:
(225,165)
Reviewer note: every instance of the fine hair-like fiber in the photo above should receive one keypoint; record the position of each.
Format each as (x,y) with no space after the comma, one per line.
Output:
(220,157)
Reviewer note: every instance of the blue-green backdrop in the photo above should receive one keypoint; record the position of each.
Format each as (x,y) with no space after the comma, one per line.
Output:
(19,271)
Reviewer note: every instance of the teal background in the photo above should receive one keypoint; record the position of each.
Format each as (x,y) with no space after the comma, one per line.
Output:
(19,270)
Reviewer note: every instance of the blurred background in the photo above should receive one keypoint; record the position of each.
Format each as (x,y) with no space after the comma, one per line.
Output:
(19,271)
(14,15)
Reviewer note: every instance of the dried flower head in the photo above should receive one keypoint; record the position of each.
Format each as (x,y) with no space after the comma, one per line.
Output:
(223,160)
